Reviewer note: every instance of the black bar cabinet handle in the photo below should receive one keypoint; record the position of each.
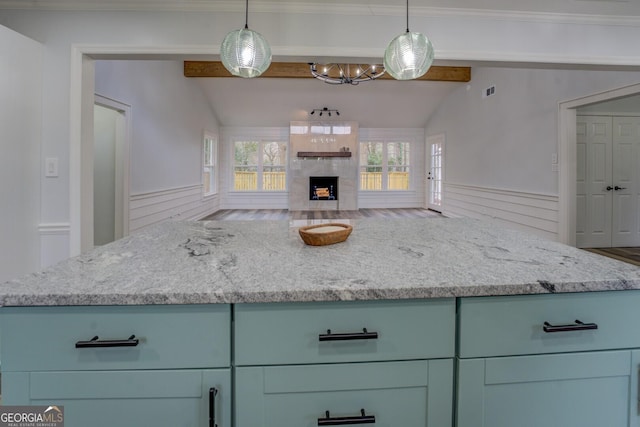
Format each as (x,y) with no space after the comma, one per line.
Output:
(577,326)
(212,407)
(364,335)
(338,421)
(94,342)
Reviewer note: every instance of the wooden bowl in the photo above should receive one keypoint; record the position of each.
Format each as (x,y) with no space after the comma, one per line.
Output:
(325,234)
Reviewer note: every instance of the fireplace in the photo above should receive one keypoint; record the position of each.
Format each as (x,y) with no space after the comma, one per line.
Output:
(323,167)
(323,188)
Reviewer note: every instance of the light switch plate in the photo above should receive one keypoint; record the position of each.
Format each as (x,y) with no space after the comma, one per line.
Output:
(51,167)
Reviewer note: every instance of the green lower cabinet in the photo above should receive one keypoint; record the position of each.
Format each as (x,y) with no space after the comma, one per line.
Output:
(176,398)
(597,389)
(391,394)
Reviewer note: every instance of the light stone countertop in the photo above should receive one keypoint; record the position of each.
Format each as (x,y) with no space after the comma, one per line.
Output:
(266,261)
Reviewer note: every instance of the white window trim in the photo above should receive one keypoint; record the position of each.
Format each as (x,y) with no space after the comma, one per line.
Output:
(412,136)
(261,135)
(216,154)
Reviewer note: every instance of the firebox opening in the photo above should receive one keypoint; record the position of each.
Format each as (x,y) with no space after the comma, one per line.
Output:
(323,188)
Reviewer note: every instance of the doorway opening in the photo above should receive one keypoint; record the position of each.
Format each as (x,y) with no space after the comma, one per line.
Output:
(110,216)
(568,157)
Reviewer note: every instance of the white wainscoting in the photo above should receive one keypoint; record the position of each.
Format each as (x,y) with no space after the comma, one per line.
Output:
(54,242)
(256,200)
(390,199)
(185,203)
(531,212)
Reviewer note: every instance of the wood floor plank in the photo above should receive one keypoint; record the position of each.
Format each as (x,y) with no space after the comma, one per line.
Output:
(284,214)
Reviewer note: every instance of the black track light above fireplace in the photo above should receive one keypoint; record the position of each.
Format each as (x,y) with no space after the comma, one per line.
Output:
(324,110)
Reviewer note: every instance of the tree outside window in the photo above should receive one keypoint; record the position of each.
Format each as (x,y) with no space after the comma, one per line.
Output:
(397,165)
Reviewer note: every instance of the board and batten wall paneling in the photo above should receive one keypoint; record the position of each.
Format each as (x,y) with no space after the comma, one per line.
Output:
(185,203)
(530,212)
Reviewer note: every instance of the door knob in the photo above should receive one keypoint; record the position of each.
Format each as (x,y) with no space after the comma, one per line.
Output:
(619,188)
(609,188)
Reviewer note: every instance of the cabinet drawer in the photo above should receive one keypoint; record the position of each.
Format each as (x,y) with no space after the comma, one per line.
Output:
(126,398)
(169,336)
(408,394)
(515,325)
(278,334)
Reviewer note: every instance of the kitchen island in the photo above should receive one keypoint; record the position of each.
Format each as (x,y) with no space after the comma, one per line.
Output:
(413,322)
(266,261)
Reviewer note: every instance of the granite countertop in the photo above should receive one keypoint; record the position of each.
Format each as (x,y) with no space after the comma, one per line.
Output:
(266,261)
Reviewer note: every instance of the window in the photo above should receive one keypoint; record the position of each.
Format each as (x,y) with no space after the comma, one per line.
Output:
(209,170)
(260,166)
(384,165)
(398,166)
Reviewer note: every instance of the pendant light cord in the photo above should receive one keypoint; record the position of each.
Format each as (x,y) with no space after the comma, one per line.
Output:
(407,15)
(246,15)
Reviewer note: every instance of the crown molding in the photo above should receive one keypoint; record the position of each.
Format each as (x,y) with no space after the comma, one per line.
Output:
(230,6)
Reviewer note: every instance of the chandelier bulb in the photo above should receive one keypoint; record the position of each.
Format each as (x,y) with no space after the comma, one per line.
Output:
(352,74)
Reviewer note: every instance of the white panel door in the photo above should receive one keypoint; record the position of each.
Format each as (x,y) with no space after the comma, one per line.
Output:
(626,189)
(594,187)
(435,172)
(608,182)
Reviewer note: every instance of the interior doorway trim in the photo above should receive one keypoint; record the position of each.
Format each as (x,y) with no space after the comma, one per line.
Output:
(567,156)
(123,161)
(81,101)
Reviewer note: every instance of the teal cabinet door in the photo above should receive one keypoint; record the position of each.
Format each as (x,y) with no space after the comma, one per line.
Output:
(595,389)
(392,394)
(175,398)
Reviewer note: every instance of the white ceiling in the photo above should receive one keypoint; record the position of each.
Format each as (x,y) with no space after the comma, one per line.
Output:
(587,7)
(276,102)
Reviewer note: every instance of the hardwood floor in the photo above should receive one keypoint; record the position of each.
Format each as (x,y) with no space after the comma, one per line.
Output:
(630,255)
(284,214)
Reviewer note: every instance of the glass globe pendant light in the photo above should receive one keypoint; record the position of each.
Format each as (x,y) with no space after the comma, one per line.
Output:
(409,55)
(244,52)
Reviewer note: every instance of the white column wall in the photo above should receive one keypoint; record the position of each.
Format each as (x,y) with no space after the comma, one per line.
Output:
(20,119)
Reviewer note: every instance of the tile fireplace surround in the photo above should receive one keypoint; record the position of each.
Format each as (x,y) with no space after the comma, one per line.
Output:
(319,141)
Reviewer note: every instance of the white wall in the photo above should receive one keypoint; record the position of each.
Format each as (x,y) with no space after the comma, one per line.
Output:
(505,142)
(169,117)
(20,119)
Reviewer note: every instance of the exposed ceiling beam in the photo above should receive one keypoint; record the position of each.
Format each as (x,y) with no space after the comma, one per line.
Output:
(295,70)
